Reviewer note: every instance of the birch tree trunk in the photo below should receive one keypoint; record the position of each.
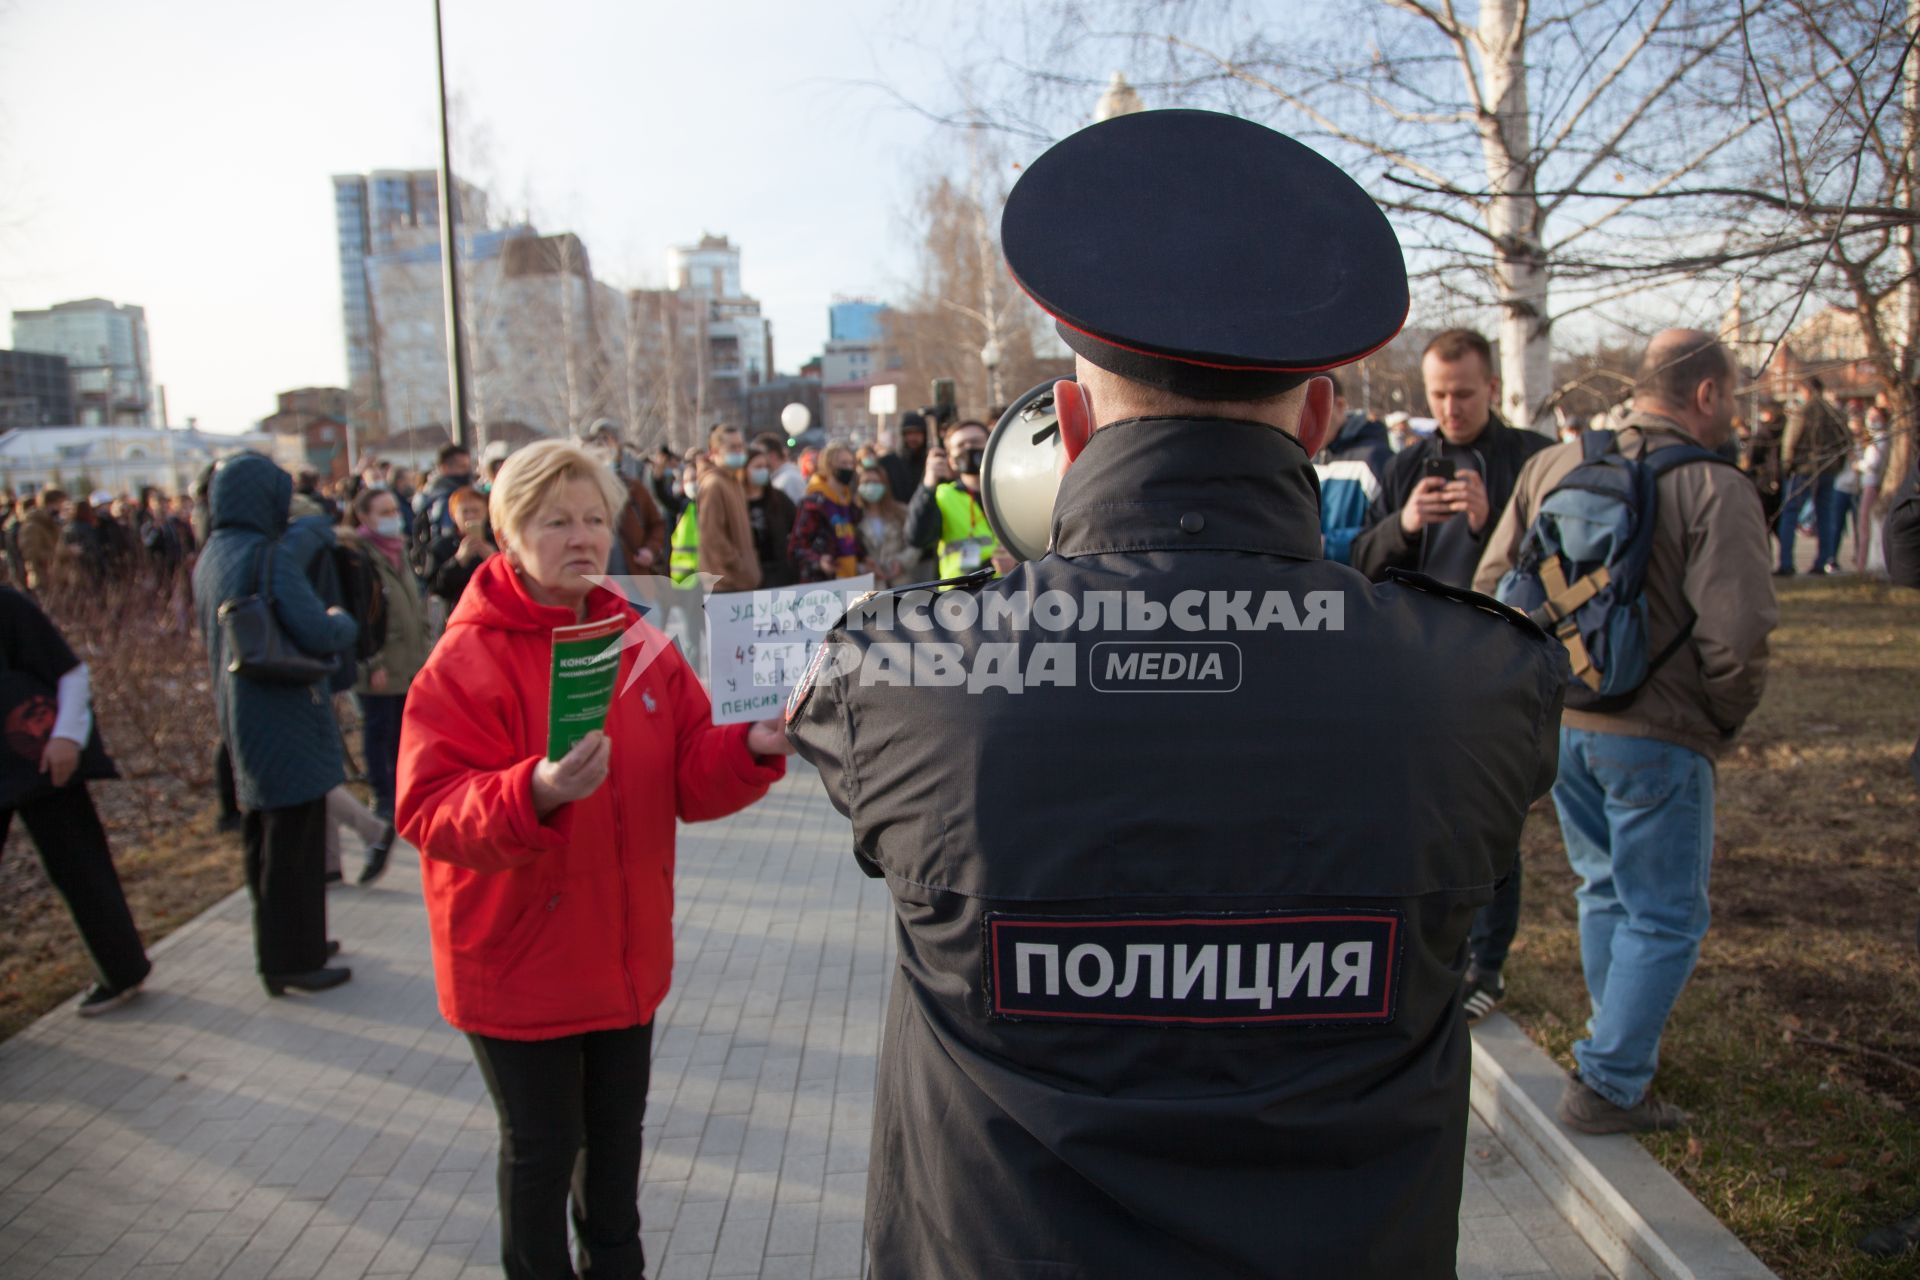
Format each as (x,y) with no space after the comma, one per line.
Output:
(1513,214)
(1906,405)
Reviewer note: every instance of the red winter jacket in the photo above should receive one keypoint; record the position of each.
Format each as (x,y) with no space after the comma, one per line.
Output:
(557,928)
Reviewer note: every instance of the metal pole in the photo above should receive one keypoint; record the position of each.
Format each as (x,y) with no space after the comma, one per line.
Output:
(462,429)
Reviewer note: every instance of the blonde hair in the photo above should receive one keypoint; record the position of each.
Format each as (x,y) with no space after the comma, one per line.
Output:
(532,473)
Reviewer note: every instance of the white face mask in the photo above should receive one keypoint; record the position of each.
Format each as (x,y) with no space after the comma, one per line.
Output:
(388,526)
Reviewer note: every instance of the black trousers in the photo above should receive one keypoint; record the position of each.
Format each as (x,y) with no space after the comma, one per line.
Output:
(287,876)
(73,847)
(570,1120)
(223,781)
(1495,925)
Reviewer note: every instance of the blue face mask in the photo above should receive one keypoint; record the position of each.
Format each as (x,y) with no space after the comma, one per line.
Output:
(733,461)
(757,476)
(388,526)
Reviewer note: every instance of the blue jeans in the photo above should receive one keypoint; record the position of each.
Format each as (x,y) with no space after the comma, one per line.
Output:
(1827,516)
(1637,816)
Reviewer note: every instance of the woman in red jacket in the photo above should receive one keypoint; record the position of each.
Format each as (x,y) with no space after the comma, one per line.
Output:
(549,884)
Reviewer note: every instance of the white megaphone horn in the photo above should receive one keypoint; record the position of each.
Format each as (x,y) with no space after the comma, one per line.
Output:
(1020,473)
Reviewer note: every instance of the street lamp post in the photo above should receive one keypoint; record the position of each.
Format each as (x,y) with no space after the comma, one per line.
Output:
(462,429)
(990,357)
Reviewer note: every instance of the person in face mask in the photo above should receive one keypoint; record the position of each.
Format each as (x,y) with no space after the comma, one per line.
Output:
(771,513)
(883,527)
(946,513)
(683,556)
(725,532)
(825,543)
(639,528)
(384,674)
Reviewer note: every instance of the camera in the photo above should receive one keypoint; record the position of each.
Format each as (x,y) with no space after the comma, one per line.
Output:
(945,403)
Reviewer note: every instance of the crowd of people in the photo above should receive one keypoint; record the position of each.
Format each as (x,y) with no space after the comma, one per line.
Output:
(401,587)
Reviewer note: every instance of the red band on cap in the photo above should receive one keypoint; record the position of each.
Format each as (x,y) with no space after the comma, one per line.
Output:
(1207,364)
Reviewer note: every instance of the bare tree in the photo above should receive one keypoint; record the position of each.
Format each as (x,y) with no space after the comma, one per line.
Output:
(1827,214)
(964,306)
(1519,143)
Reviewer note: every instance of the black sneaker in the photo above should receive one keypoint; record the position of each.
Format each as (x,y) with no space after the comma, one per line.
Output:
(1585,1111)
(103,998)
(1482,994)
(1893,1239)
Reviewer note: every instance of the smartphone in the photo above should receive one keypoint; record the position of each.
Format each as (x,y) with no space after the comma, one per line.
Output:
(945,401)
(1442,467)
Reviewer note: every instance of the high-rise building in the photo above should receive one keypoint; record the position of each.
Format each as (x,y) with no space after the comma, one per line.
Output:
(379,213)
(856,320)
(544,341)
(738,345)
(36,390)
(107,357)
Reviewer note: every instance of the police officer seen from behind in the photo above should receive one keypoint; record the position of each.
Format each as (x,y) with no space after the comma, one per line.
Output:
(1176,995)
(945,512)
(1438,503)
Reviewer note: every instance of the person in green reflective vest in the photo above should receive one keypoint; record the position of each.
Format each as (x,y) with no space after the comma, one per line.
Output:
(946,514)
(683,558)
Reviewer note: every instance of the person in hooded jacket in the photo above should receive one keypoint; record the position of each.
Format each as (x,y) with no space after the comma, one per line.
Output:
(549,883)
(283,740)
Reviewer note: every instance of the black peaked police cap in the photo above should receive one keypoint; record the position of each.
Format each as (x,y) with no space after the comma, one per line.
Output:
(1204,254)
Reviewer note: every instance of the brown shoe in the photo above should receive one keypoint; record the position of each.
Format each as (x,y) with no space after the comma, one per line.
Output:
(1584,1111)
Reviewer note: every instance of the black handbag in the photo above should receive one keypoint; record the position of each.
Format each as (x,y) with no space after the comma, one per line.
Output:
(257,646)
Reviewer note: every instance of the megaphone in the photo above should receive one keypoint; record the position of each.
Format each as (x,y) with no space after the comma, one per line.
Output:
(1020,473)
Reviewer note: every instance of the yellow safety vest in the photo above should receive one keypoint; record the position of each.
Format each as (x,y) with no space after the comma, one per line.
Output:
(683,563)
(966,539)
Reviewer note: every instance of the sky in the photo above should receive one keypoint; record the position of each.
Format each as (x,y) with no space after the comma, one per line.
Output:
(179,156)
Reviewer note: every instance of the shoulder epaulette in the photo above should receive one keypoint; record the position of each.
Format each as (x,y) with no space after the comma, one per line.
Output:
(1465,595)
(978,578)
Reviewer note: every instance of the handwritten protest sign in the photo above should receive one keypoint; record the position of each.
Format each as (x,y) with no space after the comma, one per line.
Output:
(759,643)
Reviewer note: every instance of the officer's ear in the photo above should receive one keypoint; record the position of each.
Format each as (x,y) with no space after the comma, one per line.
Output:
(1316,415)
(1076,420)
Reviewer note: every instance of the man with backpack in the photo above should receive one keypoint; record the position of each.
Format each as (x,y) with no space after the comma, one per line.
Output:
(1667,637)
(432,509)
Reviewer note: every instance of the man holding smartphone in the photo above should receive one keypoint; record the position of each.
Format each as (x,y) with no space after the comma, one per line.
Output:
(1438,504)
(946,513)
(1440,496)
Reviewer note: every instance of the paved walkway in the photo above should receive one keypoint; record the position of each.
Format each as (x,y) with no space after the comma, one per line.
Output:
(207,1131)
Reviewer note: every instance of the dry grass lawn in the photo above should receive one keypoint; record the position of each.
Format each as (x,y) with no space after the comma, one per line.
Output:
(1797,1045)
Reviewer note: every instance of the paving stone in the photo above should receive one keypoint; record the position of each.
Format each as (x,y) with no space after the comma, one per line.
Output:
(209,1131)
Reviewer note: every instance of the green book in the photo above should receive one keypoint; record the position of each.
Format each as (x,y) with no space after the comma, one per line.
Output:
(586,664)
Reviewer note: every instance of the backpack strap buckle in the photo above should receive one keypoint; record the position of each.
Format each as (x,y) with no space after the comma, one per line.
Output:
(1563,599)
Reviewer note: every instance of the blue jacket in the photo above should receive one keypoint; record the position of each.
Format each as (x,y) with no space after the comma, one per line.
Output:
(1359,439)
(284,740)
(1347,492)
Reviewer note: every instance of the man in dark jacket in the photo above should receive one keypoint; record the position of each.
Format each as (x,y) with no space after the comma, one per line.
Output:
(1423,520)
(1816,450)
(1177,996)
(1763,459)
(453,470)
(282,737)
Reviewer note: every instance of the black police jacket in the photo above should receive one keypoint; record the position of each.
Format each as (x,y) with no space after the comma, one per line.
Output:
(1181,908)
